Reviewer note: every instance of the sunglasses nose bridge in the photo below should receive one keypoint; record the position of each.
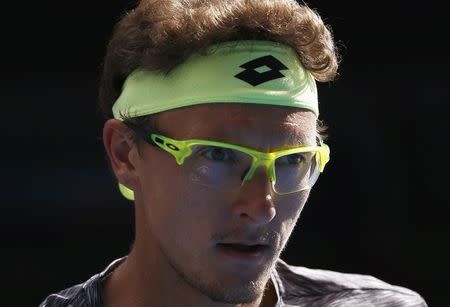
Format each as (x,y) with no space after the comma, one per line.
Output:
(265,162)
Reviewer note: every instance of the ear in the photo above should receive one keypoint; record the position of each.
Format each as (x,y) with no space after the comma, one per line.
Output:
(122,152)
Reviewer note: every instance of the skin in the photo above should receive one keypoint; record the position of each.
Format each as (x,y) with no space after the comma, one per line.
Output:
(175,260)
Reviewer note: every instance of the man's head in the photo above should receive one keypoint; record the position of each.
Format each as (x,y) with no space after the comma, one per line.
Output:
(222,240)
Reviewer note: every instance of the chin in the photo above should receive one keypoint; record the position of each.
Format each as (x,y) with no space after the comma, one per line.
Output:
(235,289)
(242,294)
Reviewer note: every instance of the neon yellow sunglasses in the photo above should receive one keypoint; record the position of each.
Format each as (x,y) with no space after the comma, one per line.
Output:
(227,166)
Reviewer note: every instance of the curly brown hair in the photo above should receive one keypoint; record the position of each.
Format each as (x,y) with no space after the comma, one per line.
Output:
(160,34)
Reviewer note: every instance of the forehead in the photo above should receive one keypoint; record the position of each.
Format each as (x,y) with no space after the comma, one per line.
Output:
(257,126)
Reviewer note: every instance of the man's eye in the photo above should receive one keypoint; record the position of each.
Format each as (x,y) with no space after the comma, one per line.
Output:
(292,159)
(218,154)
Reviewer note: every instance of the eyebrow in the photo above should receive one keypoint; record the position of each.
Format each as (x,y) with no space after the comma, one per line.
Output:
(296,140)
(291,140)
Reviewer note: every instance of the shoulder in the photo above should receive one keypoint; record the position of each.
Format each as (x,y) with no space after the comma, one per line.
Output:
(315,287)
(73,296)
(87,294)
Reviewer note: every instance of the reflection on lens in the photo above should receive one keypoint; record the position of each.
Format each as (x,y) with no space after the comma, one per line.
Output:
(217,166)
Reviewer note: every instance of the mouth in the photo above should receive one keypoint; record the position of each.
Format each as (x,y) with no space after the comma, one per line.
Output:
(243,252)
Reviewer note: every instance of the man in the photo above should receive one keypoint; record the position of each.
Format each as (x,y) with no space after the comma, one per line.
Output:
(212,131)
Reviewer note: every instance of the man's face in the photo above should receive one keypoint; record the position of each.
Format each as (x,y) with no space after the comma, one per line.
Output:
(199,230)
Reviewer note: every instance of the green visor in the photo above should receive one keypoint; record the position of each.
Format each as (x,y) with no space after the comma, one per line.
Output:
(257,72)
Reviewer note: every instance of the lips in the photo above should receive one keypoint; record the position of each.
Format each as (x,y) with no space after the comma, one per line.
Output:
(241,250)
(243,256)
(245,248)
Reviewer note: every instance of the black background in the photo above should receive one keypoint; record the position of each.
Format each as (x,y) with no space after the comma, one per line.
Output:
(380,208)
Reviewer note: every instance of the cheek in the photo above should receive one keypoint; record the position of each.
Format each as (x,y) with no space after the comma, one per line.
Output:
(289,209)
(180,211)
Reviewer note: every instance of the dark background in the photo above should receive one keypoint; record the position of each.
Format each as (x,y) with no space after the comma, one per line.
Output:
(380,208)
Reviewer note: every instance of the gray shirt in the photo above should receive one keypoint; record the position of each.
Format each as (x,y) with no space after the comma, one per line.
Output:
(294,285)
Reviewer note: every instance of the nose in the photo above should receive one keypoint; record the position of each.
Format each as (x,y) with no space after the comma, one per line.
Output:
(254,200)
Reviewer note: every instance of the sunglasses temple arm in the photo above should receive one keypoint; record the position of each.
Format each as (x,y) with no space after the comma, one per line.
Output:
(145,134)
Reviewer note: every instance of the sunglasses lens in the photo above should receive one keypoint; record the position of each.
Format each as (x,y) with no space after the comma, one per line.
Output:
(295,172)
(223,169)
(217,167)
